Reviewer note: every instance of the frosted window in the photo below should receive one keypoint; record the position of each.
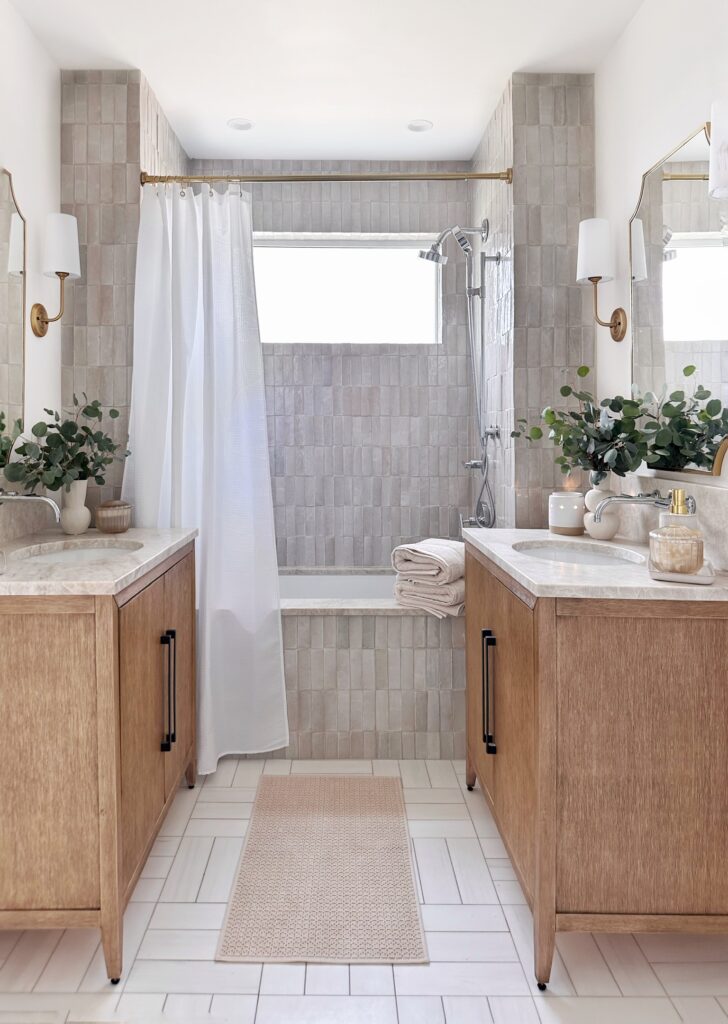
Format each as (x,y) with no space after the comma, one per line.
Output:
(694,287)
(378,293)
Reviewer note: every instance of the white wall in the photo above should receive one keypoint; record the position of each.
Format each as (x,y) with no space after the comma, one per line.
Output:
(653,89)
(30,149)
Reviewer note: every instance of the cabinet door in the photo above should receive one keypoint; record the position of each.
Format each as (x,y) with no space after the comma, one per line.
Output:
(476,621)
(179,612)
(512,699)
(142,699)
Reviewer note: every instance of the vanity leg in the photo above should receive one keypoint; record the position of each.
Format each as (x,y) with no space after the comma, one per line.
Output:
(191,773)
(544,944)
(112,933)
(469,771)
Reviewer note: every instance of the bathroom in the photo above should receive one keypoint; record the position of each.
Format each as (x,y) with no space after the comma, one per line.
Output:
(320,797)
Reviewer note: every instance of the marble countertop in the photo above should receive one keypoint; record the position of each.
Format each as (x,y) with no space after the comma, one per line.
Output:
(623,580)
(23,575)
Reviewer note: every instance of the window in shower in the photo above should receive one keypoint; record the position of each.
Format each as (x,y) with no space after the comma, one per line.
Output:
(357,289)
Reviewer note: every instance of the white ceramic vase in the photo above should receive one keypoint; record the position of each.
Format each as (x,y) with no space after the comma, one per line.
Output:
(607,528)
(75,517)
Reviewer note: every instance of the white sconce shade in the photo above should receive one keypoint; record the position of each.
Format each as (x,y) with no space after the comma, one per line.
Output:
(639,255)
(60,255)
(594,257)
(718,168)
(16,248)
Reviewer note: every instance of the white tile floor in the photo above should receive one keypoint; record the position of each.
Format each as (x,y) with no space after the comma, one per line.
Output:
(478,933)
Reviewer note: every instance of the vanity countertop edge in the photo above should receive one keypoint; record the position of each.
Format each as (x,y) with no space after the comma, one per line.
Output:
(108,578)
(626,581)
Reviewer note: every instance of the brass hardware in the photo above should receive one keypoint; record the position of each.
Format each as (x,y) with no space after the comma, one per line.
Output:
(170,179)
(684,177)
(618,324)
(39,318)
(678,506)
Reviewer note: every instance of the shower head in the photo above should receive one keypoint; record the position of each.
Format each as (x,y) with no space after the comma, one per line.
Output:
(434,254)
(462,239)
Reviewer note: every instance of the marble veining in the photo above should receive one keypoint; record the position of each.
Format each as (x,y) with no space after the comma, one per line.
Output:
(25,575)
(623,580)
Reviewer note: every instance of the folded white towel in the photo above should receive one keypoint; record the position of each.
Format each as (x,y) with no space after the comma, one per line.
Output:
(438,599)
(435,560)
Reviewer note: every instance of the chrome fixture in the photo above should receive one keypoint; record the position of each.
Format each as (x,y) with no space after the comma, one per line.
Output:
(484,513)
(653,498)
(13,496)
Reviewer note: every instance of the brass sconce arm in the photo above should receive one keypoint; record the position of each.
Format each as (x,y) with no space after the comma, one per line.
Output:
(39,318)
(618,324)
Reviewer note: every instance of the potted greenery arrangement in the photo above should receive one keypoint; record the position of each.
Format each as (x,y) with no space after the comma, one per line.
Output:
(7,441)
(684,428)
(599,437)
(67,453)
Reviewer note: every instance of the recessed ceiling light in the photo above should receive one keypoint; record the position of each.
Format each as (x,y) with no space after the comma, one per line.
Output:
(240,124)
(420,125)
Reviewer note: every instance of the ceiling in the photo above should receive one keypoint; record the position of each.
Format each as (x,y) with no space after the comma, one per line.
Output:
(328,79)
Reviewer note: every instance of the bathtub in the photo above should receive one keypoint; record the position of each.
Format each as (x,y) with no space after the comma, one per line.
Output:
(366,678)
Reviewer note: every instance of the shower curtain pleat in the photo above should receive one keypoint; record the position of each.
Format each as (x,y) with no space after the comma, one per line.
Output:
(198,437)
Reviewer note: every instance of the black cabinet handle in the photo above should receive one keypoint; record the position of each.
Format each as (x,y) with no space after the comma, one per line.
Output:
(488,641)
(166,745)
(172,634)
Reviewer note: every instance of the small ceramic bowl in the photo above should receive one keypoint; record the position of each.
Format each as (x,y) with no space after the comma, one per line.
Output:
(113,517)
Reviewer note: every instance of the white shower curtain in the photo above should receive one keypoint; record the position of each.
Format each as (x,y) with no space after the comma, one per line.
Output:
(200,453)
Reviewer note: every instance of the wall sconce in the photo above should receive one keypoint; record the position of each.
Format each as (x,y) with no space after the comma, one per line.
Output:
(60,259)
(594,264)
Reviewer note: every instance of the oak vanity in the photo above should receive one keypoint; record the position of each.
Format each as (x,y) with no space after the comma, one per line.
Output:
(597,711)
(97,721)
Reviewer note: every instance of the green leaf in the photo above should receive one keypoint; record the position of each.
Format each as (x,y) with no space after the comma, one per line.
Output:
(565,390)
(583,371)
(535,433)
(39,429)
(688,371)
(713,407)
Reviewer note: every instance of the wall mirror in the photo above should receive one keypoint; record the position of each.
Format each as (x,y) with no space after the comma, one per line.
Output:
(12,302)
(679,268)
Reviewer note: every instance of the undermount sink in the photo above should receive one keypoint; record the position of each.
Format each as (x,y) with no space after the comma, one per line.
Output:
(577,552)
(77,552)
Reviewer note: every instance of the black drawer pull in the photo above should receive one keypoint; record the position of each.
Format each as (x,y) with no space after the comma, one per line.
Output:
(489,697)
(166,744)
(172,634)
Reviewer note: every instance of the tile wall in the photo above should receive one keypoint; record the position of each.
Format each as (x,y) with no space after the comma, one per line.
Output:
(553,189)
(111,125)
(366,441)
(390,686)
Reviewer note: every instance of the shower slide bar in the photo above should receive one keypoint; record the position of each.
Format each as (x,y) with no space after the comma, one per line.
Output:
(206,179)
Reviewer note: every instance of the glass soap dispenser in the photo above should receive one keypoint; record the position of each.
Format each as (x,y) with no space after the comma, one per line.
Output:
(677,546)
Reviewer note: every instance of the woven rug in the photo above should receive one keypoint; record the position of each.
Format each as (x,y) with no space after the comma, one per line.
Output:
(326,876)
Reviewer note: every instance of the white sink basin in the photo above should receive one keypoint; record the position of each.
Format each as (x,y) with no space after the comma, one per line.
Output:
(76,552)
(578,552)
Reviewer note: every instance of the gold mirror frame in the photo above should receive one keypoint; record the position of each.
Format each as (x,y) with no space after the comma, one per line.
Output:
(704,128)
(24,287)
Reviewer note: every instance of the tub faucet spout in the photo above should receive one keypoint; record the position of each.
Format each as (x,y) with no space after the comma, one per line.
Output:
(653,498)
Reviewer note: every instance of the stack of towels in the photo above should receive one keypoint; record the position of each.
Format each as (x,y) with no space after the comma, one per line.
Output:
(431,576)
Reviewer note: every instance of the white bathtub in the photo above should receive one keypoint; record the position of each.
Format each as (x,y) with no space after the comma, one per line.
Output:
(336,586)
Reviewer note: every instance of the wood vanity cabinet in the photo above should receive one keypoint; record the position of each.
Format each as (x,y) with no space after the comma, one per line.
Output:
(597,730)
(97,729)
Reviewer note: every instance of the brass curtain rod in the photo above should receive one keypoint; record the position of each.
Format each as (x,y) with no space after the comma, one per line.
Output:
(190,179)
(685,177)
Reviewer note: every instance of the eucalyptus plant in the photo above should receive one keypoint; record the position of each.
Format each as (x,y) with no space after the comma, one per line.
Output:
(7,441)
(594,436)
(65,449)
(684,428)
